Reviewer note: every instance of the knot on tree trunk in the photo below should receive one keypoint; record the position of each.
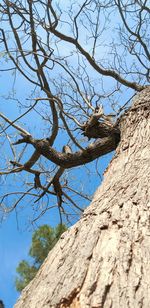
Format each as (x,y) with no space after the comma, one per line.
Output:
(101,126)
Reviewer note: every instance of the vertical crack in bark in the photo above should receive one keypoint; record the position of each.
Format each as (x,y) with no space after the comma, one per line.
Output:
(130,258)
(104,297)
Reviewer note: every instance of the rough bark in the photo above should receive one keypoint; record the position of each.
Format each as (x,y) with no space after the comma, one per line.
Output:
(104,259)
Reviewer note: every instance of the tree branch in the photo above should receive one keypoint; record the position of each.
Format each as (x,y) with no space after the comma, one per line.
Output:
(99,69)
(93,151)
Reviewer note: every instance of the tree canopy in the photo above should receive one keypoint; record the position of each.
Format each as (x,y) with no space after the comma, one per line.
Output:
(80,62)
(43,240)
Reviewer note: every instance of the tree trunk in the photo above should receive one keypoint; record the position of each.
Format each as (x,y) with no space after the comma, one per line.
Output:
(104,259)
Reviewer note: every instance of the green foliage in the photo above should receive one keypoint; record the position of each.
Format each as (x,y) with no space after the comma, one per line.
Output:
(26,274)
(43,240)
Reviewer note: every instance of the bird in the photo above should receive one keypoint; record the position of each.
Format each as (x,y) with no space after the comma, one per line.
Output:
(66,149)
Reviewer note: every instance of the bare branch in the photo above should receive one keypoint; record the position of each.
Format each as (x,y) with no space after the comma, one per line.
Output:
(20,129)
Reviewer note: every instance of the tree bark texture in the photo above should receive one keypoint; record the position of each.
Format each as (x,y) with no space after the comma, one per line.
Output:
(104,259)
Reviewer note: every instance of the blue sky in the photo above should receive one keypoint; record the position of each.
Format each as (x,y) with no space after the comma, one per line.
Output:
(14,247)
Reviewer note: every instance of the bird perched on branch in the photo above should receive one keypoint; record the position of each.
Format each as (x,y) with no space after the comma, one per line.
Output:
(66,149)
